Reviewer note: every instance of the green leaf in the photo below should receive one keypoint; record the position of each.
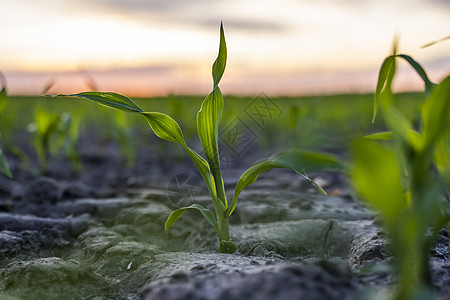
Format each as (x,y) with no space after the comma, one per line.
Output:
(384,135)
(377,176)
(402,127)
(442,157)
(219,64)
(309,161)
(386,75)
(208,118)
(108,99)
(164,127)
(387,67)
(207,126)
(416,66)
(3,100)
(175,215)
(296,160)
(436,112)
(4,167)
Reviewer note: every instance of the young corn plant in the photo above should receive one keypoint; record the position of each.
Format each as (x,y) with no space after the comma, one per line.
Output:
(52,133)
(4,167)
(207,122)
(405,174)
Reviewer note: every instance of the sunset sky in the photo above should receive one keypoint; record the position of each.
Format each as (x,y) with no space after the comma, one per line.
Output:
(147,47)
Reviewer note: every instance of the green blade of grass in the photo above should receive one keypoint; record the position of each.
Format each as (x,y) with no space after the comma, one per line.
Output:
(296,160)
(175,215)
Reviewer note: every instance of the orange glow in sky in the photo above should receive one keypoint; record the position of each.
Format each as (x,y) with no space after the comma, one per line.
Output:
(149,47)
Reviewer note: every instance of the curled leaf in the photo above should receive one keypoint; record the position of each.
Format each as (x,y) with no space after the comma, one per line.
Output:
(296,160)
(219,64)
(227,247)
(175,215)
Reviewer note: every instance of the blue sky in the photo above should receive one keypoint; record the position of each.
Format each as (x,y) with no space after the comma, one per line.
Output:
(147,47)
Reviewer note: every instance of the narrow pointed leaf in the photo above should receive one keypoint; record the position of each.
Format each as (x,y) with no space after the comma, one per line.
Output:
(386,68)
(436,112)
(385,135)
(109,99)
(416,66)
(383,92)
(297,160)
(4,167)
(175,215)
(219,64)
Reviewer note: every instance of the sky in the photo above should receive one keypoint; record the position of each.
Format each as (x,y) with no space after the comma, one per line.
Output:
(279,47)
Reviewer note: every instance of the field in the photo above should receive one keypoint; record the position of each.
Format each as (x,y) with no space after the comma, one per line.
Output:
(83,215)
(340,197)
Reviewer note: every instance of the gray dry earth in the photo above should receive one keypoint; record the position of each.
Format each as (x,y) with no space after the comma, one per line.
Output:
(293,243)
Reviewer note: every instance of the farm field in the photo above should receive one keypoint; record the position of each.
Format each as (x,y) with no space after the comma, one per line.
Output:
(94,226)
(221,196)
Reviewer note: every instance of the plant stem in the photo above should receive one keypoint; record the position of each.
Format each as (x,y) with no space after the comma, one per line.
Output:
(224,233)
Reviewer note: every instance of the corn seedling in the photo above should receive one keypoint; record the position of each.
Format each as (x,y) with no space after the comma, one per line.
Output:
(4,167)
(207,122)
(406,176)
(53,132)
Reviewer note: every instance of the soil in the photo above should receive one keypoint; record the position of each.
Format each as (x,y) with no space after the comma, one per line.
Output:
(99,234)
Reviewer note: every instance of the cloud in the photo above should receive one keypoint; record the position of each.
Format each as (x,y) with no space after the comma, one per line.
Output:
(442,2)
(246,25)
(197,13)
(149,5)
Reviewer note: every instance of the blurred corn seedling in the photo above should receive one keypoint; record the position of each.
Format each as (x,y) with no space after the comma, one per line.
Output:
(405,174)
(52,133)
(4,167)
